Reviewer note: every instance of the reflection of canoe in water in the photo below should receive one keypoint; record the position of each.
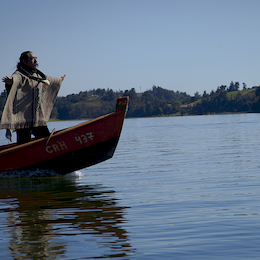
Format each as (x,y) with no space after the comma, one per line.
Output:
(70,149)
(59,215)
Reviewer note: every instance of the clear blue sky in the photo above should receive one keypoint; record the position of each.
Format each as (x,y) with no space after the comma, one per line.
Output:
(185,45)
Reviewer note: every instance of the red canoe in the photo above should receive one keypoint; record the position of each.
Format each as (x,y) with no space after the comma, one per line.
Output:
(70,149)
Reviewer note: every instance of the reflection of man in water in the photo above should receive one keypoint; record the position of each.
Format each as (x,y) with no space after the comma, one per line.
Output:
(31,96)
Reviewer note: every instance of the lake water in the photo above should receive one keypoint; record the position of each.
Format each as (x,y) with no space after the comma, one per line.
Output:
(176,188)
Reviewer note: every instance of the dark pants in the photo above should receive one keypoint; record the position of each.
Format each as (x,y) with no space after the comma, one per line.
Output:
(24,134)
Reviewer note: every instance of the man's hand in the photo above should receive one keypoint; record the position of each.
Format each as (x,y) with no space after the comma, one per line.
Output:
(7,80)
(63,77)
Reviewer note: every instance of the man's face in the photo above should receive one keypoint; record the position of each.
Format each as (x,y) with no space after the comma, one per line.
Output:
(31,62)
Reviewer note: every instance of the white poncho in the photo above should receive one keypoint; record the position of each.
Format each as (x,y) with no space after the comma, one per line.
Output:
(30,102)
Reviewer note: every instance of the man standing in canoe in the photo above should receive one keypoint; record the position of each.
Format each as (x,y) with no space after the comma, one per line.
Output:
(31,97)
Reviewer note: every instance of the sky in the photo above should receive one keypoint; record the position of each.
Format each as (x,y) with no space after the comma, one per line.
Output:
(181,45)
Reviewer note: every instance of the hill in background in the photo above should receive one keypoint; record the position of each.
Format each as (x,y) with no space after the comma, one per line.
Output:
(155,102)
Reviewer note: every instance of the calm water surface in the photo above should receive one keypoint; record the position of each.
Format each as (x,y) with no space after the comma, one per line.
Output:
(176,188)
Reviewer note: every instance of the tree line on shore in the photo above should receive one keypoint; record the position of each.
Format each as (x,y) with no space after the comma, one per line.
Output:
(155,102)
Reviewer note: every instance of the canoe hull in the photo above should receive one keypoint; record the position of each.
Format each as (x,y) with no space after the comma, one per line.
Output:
(78,159)
(70,149)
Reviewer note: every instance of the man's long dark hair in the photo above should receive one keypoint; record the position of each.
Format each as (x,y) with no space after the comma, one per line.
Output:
(22,68)
(24,56)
